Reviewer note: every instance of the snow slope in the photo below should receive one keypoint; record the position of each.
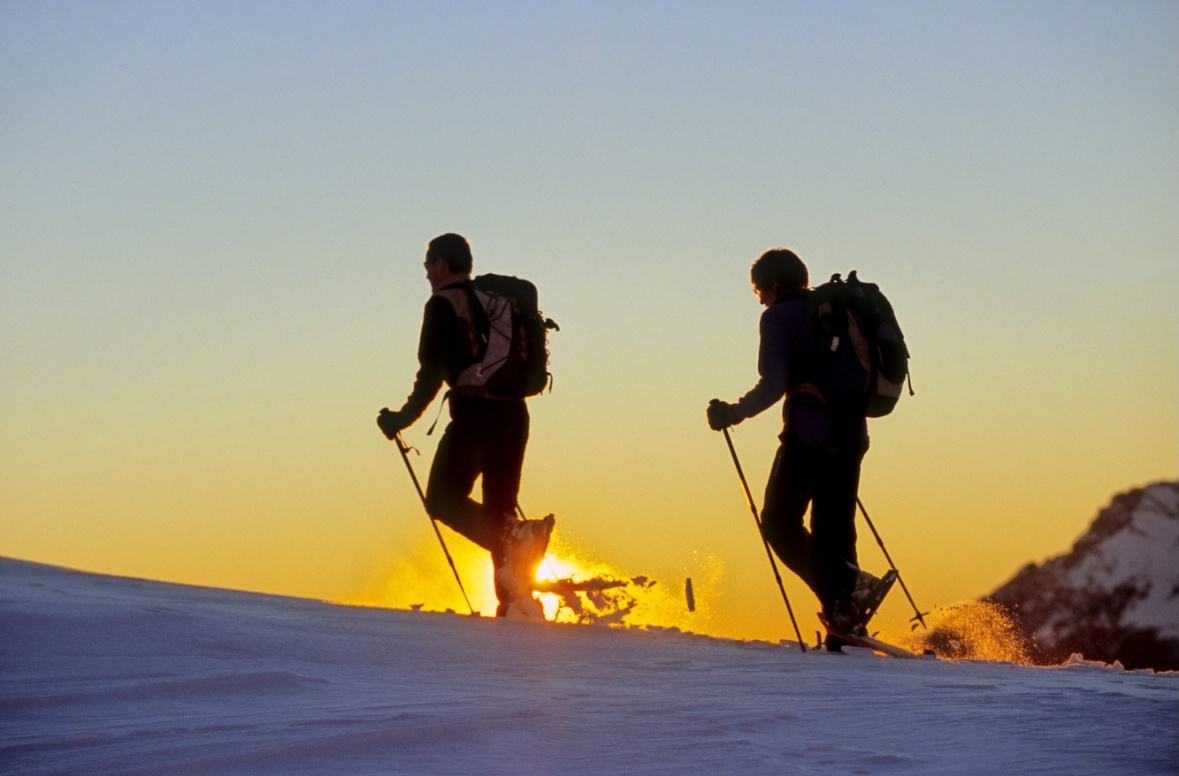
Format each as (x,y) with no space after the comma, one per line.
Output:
(105,675)
(1115,594)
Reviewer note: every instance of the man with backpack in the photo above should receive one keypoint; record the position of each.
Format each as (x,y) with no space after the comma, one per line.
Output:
(487,433)
(822,444)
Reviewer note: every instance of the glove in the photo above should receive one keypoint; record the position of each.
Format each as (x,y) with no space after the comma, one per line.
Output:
(721,414)
(390,422)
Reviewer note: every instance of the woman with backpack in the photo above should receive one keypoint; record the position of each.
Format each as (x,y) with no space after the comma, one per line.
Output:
(818,461)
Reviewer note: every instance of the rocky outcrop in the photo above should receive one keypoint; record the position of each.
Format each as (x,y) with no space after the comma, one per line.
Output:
(1115,595)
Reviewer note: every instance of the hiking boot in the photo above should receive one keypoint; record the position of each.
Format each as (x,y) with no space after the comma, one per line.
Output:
(864,587)
(524,608)
(869,591)
(525,543)
(847,617)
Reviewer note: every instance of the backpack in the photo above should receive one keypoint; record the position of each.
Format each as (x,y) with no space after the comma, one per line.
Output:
(859,362)
(514,362)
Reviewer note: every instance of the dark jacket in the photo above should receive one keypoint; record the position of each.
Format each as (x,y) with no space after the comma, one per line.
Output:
(453,326)
(783,363)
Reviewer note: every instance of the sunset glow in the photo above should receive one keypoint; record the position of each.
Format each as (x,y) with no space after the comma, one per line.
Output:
(603,594)
(215,215)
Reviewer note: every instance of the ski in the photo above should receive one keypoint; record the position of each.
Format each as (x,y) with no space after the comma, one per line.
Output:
(567,586)
(868,642)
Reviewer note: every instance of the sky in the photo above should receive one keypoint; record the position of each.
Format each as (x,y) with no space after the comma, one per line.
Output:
(214,216)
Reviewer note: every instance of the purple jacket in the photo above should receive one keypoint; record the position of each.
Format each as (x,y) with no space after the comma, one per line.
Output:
(783,361)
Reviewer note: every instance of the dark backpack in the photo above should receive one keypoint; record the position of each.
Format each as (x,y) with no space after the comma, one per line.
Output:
(515,357)
(859,362)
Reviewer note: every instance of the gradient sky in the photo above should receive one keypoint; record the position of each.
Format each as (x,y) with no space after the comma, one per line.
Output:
(214,214)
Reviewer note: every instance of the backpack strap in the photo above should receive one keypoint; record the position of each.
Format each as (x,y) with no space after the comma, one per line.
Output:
(471,316)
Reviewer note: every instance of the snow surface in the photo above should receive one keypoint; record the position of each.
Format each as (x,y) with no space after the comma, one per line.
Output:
(106,675)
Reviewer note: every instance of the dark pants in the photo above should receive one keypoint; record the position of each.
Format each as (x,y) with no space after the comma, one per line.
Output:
(826,476)
(485,437)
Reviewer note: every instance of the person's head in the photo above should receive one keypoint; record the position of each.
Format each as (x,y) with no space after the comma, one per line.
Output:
(453,249)
(778,272)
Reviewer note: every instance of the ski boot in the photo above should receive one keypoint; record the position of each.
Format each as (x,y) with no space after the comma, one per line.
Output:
(850,614)
(525,543)
(869,592)
(523,608)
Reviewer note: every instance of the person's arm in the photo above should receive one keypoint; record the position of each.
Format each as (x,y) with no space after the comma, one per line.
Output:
(773,366)
(439,325)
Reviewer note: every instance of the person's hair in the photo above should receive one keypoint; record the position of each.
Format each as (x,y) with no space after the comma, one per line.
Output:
(454,248)
(780,267)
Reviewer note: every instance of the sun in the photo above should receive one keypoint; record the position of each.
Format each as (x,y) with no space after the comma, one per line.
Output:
(573,587)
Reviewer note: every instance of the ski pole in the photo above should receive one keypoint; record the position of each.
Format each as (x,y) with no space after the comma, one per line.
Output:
(404,448)
(761,533)
(920,615)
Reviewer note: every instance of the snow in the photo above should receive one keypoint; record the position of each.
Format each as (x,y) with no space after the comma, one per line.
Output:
(1151,545)
(1144,554)
(106,675)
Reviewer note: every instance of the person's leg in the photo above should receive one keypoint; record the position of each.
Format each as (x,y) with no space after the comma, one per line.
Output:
(504,445)
(502,449)
(485,437)
(788,493)
(833,517)
(457,465)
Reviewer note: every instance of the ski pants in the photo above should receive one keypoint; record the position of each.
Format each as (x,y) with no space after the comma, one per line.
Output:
(826,477)
(485,437)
